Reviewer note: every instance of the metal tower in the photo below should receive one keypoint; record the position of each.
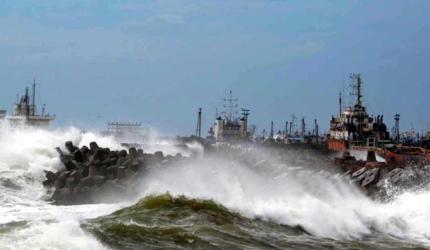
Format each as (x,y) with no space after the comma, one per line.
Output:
(356,85)
(199,124)
(397,128)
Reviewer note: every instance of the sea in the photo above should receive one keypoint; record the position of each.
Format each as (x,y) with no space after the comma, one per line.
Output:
(210,203)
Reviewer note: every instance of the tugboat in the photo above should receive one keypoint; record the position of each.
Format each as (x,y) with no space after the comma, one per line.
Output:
(353,127)
(25,112)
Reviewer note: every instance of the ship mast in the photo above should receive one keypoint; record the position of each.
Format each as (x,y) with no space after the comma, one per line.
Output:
(34,97)
(357,88)
(27,104)
(230,105)
(359,110)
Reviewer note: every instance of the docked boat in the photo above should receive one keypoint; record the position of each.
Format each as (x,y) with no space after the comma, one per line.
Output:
(354,127)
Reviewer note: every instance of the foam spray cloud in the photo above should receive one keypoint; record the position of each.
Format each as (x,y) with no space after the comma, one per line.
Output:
(27,220)
(281,192)
(322,203)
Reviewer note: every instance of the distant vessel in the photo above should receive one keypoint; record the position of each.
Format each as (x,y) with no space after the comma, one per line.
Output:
(231,128)
(354,127)
(25,112)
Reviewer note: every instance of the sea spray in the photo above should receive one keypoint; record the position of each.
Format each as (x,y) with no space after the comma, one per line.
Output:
(26,220)
(280,204)
(323,205)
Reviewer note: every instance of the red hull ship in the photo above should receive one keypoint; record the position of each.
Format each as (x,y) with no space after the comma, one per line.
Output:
(353,127)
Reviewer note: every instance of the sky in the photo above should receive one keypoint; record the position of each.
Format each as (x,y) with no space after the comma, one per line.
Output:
(157,62)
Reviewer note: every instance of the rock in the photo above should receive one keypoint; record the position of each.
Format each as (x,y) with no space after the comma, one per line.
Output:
(61,195)
(69,165)
(158,155)
(134,165)
(358,172)
(110,161)
(389,177)
(93,147)
(132,153)
(60,182)
(50,176)
(79,157)
(371,176)
(122,153)
(112,172)
(121,173)
(76,175)
(70,147)
(70,184)
(92,173)
(85,150)
(92,170)
(91,181)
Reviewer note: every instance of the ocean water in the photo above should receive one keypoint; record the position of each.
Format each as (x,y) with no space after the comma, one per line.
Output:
(211,203)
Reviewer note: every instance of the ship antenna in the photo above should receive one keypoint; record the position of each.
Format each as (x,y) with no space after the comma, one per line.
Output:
(340,103)
(357,88)
(359,96)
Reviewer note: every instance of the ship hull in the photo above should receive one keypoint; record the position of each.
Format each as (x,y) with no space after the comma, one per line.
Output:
(406,155)
(337,145)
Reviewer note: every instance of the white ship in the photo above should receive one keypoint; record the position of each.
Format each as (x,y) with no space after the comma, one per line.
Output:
(26,113)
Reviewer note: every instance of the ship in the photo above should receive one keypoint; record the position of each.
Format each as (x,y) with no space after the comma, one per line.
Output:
(354,127)
(231,129)
(26,113)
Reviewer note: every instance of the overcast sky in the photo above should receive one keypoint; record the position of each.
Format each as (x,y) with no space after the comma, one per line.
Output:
(157,62)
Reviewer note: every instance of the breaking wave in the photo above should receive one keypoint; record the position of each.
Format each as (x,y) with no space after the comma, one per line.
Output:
(323,205)
(214,201)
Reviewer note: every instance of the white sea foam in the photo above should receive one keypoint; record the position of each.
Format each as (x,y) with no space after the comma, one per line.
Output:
(290,195)
(24,154)
(35,224)
(284,194)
